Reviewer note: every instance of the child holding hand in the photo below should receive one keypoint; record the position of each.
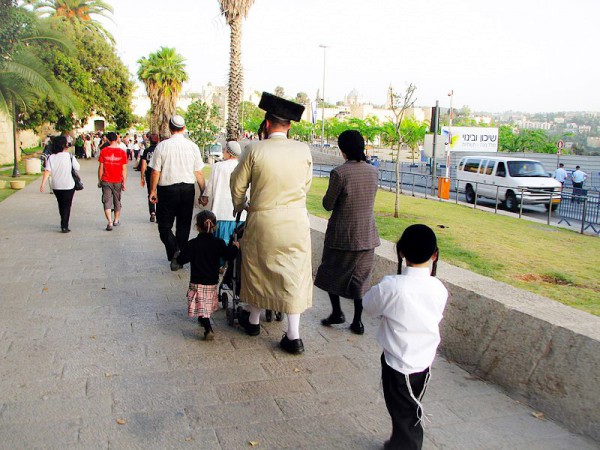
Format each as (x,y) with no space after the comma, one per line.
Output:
(203,253)
(410,305)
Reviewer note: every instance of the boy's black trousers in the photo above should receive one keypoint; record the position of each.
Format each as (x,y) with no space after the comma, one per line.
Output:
(406,433)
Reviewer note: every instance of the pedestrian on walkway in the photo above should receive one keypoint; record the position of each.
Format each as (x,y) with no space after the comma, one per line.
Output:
(204,253)
(146,173)
(217,195)
(276,249)
(410,306)
(176,165)
(351,236)
(112,178)
(60,164)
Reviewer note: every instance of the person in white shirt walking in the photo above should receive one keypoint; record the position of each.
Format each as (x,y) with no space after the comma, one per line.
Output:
(60,164)
(217,196)
(410,306)
(560,174)
(176,165)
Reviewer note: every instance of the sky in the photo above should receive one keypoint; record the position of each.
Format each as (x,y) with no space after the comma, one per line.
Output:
(514,55)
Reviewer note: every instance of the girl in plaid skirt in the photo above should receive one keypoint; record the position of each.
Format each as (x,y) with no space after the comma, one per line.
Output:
(203,253)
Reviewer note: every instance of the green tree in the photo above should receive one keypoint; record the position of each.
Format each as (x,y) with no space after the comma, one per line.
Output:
(413,134)
(536,141)
(303,130)
(24,78)
(400,103)
(79,13)
(234,12)
(163,73)
(251,116)
(200,121)
(93,71)
(279,92)
(507,141)
(301,98)
(369,128)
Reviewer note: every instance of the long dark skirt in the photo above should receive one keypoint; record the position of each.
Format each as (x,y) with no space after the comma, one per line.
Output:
(345,273)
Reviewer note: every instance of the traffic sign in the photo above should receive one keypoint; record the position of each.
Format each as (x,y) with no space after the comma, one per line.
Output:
(560,144)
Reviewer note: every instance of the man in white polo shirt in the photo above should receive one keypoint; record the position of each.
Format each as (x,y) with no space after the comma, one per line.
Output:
(177,165)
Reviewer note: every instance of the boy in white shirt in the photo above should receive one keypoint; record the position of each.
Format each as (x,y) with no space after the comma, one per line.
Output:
(410,306)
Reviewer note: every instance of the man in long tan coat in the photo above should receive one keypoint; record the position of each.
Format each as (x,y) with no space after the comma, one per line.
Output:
(276,247)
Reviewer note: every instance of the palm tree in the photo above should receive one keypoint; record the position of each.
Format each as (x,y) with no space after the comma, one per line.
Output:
(163,73)
(24,78)
(234,12)
(76,12)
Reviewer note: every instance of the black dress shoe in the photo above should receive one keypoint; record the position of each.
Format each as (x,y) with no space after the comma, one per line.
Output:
(333,319)
(294,347)
(65,230)
(357,328)
(244,321)
(175,266)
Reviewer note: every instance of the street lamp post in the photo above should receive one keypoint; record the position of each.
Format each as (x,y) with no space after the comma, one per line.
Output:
(451,95)
(324,47)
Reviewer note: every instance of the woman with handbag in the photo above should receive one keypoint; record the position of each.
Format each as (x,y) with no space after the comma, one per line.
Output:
(61,164)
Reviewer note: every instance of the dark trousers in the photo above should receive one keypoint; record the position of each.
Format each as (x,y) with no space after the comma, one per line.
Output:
(175,204)
(64,197)
(406,433)
(148,176)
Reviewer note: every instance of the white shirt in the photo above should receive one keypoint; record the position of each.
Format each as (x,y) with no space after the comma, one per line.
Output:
(123,147)
(219,192)
(560,175)
(578,176)
(177,159)
(411,307)
(59,165)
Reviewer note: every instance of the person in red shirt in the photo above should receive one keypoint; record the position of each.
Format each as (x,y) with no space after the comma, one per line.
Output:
(112,176)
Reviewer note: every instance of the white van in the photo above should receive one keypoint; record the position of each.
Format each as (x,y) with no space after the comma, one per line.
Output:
(511,180)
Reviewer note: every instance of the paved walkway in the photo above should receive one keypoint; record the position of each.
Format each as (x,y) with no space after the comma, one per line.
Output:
(97,352)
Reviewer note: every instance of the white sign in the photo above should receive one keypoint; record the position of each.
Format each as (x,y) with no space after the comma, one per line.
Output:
(440,146)
(471,139)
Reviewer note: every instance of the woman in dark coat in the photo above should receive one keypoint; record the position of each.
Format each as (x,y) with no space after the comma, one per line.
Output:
(351,236)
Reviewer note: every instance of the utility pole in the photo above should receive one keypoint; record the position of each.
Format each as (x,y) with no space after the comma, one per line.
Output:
(324,47)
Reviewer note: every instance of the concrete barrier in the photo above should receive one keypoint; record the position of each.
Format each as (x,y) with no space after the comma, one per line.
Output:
(541,352)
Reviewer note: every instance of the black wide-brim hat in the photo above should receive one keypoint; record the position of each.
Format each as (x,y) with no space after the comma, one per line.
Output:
(280,107)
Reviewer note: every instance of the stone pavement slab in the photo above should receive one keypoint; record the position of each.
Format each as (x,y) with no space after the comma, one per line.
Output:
(96,351)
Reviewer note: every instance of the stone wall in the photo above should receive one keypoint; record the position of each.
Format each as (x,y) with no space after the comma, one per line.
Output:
(540,351)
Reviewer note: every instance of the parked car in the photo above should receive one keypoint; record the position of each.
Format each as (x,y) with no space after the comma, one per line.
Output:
(511,180)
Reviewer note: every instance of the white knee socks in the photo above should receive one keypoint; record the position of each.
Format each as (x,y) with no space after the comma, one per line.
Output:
(254,315)
(293,331)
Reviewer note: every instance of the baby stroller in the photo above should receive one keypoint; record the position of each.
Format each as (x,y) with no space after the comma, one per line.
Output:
(229,289)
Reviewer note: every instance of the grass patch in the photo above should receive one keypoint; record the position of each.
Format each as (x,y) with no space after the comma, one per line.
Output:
(6,176)
(550,261)
(33,150)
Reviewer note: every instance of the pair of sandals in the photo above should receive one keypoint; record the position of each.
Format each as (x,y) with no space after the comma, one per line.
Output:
(333,319)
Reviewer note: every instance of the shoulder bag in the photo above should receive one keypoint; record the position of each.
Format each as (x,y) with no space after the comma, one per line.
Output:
(76,177)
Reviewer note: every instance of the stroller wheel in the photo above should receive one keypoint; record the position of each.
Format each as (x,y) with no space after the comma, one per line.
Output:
(224,300)
(278,316)
(269,315)
(230,318)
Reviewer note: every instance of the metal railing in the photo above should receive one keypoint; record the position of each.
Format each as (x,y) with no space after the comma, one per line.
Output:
(419,182)
(578,205)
